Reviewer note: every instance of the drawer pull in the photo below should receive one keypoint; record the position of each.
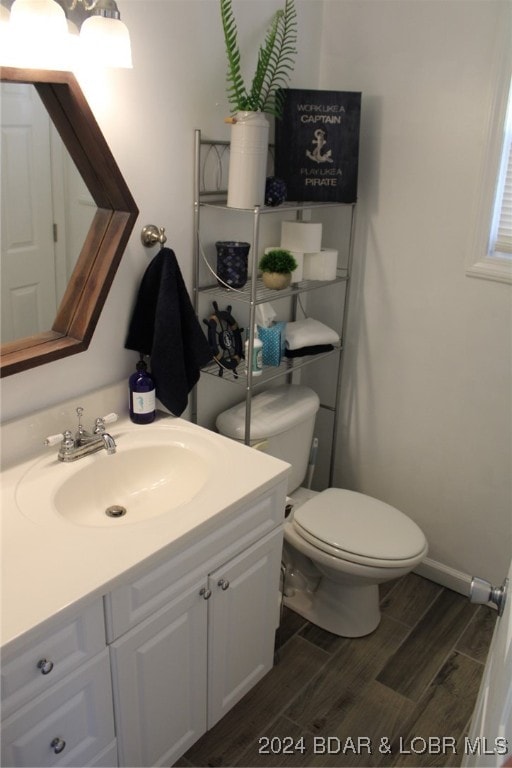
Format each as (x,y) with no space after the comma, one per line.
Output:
(45,666)
(223,584)
(205,593)
(58,745)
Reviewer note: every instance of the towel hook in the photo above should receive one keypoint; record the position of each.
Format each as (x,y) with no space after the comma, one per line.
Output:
(151,235)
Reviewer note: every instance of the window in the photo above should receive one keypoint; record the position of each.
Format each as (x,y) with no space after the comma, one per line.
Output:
(491,254)
(501,229)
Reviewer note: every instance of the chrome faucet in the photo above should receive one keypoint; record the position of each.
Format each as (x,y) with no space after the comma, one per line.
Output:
(84,442)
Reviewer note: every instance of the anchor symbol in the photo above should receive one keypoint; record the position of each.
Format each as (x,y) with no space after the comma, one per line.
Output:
(319,141)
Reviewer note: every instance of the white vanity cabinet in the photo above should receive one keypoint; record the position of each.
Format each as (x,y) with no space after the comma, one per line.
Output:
(131,642)
(56,695)
(180,669)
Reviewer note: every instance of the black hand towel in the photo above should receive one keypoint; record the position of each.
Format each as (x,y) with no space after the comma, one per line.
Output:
(164,325)
(316,349)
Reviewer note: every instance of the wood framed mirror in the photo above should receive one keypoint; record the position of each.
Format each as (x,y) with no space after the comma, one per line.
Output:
(106,239)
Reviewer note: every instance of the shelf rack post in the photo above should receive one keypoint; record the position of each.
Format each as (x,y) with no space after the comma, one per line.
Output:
(341,358)
(252,322)
(197,169)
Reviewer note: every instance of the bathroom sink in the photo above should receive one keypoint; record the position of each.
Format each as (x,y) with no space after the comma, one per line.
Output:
(156,470)
(133,485)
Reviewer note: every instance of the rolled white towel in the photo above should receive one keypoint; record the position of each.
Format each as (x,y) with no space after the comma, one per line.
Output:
(308,333)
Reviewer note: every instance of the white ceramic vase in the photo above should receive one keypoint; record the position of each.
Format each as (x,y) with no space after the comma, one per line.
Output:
(248,160)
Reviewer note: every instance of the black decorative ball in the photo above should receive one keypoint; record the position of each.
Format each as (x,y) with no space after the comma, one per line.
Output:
(275,191)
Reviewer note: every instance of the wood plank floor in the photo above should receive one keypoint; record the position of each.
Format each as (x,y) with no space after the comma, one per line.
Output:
(380,700)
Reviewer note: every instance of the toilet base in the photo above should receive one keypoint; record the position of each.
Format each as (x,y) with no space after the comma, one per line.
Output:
(347,611)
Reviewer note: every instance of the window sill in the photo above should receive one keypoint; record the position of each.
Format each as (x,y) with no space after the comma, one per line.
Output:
(497,268)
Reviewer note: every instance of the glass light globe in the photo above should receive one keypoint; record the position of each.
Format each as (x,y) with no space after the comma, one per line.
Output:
(38,35)
(5,46)
(105,42)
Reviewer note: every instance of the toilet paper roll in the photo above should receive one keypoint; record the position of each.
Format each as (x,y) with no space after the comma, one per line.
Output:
(321,265)
(297,274)
(301,236)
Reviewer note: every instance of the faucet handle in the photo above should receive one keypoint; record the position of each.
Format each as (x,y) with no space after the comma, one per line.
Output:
(99,425)
(54,439)
(65,439)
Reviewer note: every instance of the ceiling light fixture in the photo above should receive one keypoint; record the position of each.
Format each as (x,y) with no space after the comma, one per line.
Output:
(38,35)
(103,36)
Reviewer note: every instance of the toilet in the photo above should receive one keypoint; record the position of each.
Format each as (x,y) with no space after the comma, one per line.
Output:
(339,545)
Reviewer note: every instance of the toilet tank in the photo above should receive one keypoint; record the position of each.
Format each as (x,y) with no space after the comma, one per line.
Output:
(282,424)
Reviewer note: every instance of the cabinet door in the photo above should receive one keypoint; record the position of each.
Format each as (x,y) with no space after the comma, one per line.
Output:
(159,673)
(243,616)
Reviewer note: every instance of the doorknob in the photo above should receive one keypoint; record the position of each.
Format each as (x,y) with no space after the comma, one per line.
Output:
(482,591)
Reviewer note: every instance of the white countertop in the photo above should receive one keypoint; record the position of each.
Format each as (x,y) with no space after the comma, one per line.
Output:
(51,564)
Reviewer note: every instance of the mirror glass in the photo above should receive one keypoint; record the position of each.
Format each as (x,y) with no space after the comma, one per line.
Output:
(46,213)
(67,214)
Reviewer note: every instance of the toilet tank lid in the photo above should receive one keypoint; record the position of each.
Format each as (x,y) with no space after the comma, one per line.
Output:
(272,412)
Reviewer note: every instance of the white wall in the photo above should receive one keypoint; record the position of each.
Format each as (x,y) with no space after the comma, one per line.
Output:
(148,116)
(427,396)
(426,422)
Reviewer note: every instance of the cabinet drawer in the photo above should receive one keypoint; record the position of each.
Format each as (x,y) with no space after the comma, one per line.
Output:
(130,604)
(68,726)
(34,665)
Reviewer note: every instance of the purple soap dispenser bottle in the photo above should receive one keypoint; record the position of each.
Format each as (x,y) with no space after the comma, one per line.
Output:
(142,395)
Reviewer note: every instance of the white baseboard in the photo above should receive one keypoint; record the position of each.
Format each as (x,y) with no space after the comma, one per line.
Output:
(444,575)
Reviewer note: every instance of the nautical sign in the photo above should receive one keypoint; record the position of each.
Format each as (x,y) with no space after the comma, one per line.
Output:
(317,145)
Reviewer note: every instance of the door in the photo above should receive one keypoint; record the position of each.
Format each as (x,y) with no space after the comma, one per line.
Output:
(159,676)
(28,270)
(242,619)
(29,302)
(490,738)
(47,212)
(73,212)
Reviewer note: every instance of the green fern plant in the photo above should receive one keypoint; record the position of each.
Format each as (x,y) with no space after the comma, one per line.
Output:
(275,61)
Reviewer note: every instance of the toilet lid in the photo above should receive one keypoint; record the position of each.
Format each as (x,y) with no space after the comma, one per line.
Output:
(357,527)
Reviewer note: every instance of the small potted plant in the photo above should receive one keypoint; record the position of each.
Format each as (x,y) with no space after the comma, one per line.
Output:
(276,267)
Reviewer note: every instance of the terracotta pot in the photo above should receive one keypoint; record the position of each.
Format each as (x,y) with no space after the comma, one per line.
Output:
(276,280)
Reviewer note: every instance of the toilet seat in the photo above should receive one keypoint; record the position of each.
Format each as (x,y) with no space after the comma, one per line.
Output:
(360,529)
